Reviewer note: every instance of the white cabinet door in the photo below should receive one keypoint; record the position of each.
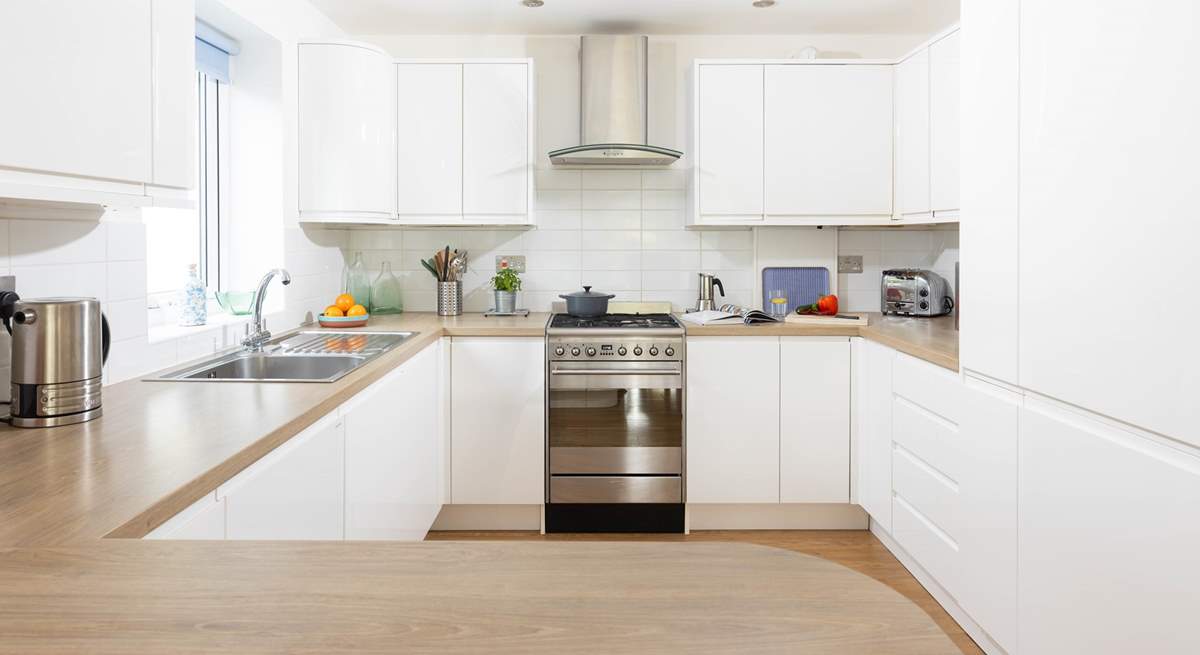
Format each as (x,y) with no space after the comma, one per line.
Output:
(77,87)
(296,491)
(347,132)
(873,386)
(814,417)
(204,519)
(496,148)
(988,487)
(1108,176)
(1107,538)
(733,420)
(174,138)
(429,128)
(988,339)
(498,395)
(729,116)
(912,135)
(944,92)
(828,145)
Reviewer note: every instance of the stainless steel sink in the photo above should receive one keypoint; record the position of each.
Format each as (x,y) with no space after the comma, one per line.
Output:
(311,356)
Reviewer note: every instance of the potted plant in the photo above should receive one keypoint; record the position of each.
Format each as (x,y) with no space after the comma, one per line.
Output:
(507,283)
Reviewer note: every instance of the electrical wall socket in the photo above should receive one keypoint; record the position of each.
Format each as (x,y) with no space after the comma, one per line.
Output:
(515,262)
(850,264)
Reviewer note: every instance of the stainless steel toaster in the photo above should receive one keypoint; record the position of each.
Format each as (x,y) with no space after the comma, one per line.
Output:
(914,292)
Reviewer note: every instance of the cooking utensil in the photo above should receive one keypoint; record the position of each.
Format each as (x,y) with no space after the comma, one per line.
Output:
(587,303)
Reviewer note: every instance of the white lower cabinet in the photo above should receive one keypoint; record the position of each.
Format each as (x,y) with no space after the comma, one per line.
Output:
(393,453)
(733,420)
(204,520)
(497,399)
(1108,538)
(873,441)
(814,420)
(296,491)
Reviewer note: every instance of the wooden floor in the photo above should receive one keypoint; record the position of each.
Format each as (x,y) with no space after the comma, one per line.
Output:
(855,549)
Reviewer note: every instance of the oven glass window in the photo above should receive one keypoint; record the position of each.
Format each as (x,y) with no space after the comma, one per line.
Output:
(616,418)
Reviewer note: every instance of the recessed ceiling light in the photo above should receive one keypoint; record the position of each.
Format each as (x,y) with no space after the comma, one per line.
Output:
(533,3)
(762,4)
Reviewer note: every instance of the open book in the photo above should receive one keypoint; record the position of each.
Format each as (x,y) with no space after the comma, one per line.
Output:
(729,313)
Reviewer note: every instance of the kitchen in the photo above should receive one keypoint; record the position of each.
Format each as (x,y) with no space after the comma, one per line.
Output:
(368,343)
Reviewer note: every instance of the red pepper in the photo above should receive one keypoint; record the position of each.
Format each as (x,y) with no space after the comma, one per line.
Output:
(825,306)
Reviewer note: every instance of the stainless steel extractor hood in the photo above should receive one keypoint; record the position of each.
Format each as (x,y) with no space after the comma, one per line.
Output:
(612,106)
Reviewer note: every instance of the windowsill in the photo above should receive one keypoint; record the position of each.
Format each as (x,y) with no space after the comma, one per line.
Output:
(158,333)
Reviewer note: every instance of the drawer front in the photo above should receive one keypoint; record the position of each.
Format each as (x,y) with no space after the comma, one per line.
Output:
(616,489)
(927,385)
(934,550)
(931,494)
(930,437)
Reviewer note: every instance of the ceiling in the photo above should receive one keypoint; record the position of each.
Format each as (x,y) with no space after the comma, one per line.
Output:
(640,16)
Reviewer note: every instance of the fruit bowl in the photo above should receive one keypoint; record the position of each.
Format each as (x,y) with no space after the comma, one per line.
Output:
(342,321)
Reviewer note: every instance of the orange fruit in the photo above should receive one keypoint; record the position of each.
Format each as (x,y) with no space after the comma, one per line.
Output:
(357,310)
(334,310)
(344,302)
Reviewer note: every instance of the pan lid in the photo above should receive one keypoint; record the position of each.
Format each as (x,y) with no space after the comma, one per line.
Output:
(587,293)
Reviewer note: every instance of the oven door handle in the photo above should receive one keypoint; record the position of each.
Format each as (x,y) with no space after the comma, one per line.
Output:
(615,371)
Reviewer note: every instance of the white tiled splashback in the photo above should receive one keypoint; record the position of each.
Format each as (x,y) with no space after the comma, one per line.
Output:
(935,249)
(617,231)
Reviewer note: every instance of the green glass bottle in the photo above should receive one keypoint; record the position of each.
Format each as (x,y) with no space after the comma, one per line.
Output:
(356,282)
(385,293)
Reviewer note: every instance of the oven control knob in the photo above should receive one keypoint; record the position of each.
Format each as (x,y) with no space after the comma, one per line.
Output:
(924,305)
(575,352)
(591,352)
(621,351)
(653,351)
(669,352)
(637,350)
(559,351)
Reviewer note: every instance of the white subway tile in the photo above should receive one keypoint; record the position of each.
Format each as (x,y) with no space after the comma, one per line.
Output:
(507,240)
(86,280)
(126,241)
(660,199)
(131,358)
(126,280)
(611,260)
(5,249)
(665,179)
(727,240)
(735,279)
(552,240)
(558,219)
(613,219)
(662,219)
(612,179)
(611,239)
(126,318)
(549,280)
(907,240)
(557,199)
(556,179)
(671,280)
(850,241)
(610,281)
(594,199)
(712,260)
(431,239)
(553,260)
(35,243)
(670,240)
(680,300)
(907,259)
(376,239)
(671,260)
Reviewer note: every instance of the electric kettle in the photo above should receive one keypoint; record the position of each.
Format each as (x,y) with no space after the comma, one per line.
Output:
(59,346)
(706,301)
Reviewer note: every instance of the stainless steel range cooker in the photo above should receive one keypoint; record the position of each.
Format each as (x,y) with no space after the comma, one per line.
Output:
(615,423)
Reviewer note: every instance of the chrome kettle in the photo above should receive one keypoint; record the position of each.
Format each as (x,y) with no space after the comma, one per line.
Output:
(59,347)
(706,301)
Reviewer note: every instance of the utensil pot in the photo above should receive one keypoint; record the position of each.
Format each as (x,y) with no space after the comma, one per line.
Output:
(449,298)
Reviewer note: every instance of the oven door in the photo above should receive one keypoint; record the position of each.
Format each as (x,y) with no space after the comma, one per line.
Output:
(615,432)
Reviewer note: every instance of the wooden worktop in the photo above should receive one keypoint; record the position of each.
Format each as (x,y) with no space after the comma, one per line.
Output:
(932,339)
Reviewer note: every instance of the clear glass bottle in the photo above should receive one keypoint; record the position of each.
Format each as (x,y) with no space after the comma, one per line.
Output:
(356,282)
(193,299)
(386,293)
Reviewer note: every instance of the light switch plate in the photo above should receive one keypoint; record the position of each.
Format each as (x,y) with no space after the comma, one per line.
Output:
(515,262)
(850,264)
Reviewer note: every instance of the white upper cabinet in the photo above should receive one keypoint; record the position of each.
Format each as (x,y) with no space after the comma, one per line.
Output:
(1107,197)
(429,123)
(174,140)
(78,88)
(733,420)
(729,143)
(828,144)
(347,141)
(296,491)
(814,420)
(944,93)
(912,135)
(988,339)
(496,148)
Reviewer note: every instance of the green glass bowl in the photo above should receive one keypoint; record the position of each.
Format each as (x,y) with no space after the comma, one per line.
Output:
(238,303)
